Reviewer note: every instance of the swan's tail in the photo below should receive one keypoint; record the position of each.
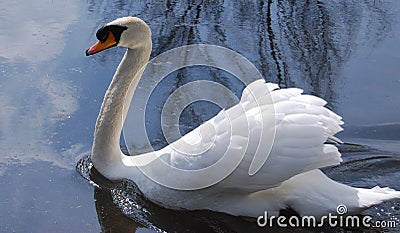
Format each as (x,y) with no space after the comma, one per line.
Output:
(376,195)
(313,193)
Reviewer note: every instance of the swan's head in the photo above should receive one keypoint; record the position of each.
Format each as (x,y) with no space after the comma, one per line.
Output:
(129,32)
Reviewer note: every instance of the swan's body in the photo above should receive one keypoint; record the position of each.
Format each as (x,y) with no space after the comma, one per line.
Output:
(289,178)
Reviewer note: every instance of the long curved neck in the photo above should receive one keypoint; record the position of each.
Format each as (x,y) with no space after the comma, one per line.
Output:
(106,147)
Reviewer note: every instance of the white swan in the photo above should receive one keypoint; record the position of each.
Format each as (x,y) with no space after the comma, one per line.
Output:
(289,178)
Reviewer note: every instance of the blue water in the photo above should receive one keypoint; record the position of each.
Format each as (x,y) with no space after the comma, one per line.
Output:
(343,51)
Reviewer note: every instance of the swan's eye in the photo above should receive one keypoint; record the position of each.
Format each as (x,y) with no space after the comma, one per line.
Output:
(102,34)
(104,37)
(116,30)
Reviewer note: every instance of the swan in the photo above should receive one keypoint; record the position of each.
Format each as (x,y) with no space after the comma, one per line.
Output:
(290,176)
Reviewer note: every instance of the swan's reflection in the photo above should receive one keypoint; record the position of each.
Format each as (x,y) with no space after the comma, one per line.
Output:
(111,218)
(122,208)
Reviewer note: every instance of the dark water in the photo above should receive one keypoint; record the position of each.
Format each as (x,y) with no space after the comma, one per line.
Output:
(343,51)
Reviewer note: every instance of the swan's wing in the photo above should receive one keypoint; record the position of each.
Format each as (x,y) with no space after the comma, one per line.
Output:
(270,136)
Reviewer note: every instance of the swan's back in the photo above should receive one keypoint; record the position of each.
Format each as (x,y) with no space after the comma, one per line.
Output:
(270,136)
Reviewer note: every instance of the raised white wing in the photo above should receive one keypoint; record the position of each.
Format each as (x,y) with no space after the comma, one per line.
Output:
(270,136)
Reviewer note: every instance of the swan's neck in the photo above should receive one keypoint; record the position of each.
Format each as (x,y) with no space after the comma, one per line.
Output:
(106,148)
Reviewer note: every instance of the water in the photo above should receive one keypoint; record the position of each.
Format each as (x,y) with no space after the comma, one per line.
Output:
(343,51)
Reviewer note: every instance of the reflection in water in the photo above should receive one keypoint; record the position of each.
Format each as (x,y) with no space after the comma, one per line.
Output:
(295,43)
(317,38)
(110,217)
(35,99)
(40,191)
(34,29)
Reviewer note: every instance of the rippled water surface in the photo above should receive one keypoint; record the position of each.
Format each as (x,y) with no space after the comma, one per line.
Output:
(346,52)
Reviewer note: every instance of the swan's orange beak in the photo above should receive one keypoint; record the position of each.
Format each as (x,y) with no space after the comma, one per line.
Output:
(100,46)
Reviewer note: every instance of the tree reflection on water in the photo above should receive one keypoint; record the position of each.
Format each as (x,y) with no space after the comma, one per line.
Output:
(295,43)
